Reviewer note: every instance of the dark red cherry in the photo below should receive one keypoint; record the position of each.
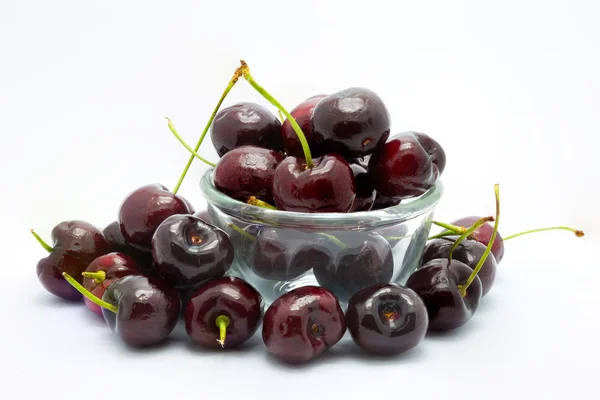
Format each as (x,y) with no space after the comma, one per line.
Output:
(75,244)
(103,271)
(387,319)
(483,234)
(245,124)
(144,209)
(303,324)
(283,254)
(147,310)
(302,113)
(352,122)
(380,202)
(327,187)
(118,244)
(437,284)
(468,252)
(204,215)
(401,168)
(366,260)
(434,149)
(229,301)
(187,251)
(365,194)
(247,171)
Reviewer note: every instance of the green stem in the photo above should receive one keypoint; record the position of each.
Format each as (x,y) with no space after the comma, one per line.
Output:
(441,235)
(454,228)
(462,237)
(266,95)
(241,231)
(98,276)
(232,82)
(89,294)
(577,232)
(45,245)
(259,203)
(281,117)
(335,240)
(187,146)
(396,237)
(488,249)
(222,322)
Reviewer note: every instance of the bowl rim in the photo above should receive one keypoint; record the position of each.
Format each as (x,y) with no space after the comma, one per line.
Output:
(404,211)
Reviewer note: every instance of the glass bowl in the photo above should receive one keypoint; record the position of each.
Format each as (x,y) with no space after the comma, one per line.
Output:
(277,251)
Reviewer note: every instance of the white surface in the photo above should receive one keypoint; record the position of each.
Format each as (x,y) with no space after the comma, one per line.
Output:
(511,90)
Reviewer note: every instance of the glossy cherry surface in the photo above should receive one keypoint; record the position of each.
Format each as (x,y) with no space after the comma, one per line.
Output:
(112,266)
(387,319)
(366,260)
(75,245)
(483,234)
(144,209)
(232,297)
(352,122)
(434,149)
(437,284)
(245,124)
(283,254)
(302,113)
(468,252)
(118,244)
(365,193)
(147,309)
(380,202)
(327,187)
(247,171)
(401,168)
(187,251)
(302,324)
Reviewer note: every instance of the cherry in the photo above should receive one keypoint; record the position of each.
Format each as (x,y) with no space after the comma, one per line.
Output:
(141,310)
(303,324)
(284,254)
(401,168)
(245,124)
(103,271)
(328,186)
(204,215)
(225,312)
(352,122)
(118,244)
(469,252)
(144,209)
(247,171)
(75,245)
(380,202)
(365,260)
(187,251)
(387,319)
(433,148)
(302,114)
(365,194)
(483,235)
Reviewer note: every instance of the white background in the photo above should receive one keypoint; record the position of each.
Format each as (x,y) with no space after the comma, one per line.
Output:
(511,89)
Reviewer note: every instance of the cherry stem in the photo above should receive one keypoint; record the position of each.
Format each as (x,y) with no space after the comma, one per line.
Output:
(232,82)
(187,146)
(98,276)
(89,294)
(462,237)
(307,155)
(45,245)
(488,249)
(441,235)
(454,228)
(577,232)
(222,322)
(281,117)
(259,203)
(241,231)
(335,240)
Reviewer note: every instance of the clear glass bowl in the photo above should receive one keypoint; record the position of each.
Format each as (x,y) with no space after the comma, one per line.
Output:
(277,251)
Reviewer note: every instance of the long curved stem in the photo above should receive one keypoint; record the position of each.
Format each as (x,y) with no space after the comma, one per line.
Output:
(442,234)
(242,232)
(453,228)
(45,245)
(305,147)
(89,294)
(187,146)
(222,322)
(232,82)
(488,249)
(577,232)
(462,237)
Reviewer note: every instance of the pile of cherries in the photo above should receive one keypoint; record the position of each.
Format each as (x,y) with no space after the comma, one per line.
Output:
(162,260)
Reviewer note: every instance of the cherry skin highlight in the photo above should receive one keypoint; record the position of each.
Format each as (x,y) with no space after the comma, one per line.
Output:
(245,124)
(75,245)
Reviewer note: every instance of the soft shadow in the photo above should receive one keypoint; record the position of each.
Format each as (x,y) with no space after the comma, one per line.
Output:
(329,357)
(46,299)
(147,350)
(349,349)
(458,334)
(92,318)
